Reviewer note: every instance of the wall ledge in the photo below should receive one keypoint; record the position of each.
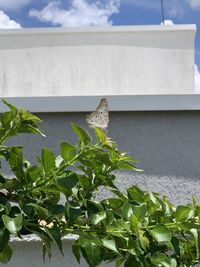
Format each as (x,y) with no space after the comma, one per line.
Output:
(116,103)
(35,238)
(97,30)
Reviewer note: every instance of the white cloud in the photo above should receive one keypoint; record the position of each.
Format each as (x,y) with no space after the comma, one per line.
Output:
(194,3)
(172,8)
(80,13)
(176,8)
(13,4)
(197,79)
(7,23)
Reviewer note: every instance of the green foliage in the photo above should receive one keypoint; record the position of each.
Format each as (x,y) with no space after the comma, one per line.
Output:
(132,228)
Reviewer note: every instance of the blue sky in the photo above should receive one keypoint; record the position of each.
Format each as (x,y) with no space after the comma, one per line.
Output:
(68,13)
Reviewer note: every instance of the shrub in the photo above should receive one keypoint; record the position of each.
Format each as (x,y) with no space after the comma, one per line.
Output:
(135,228)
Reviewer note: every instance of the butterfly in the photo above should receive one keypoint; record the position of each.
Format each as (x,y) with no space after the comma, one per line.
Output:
(100,117)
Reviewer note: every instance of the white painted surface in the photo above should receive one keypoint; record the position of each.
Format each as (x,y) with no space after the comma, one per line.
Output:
(116,103)
(129,60)
(29,254)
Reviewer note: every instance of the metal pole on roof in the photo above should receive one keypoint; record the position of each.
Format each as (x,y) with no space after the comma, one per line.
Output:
(162,12)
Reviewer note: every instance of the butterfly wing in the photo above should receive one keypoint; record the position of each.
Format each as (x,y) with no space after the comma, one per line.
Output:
(102,111)
(100,117)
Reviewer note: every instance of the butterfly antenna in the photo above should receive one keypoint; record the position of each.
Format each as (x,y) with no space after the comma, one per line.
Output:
(162,12)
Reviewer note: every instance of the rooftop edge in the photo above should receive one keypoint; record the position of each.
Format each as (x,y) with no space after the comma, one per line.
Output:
(39,104)
(105,29)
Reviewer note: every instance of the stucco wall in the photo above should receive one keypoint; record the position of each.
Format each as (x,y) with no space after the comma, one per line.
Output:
(29,254)
(167,144)
(128,60)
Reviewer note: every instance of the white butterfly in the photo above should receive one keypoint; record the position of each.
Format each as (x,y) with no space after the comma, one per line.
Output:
(100,117)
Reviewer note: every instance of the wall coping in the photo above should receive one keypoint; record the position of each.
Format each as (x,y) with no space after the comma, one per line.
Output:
(116,103)
(97,30)
(35,238)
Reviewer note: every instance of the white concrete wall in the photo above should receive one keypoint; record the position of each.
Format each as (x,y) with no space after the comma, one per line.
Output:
(29,254)
(97,61)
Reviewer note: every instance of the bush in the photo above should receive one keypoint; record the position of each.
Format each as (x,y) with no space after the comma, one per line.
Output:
(135,228)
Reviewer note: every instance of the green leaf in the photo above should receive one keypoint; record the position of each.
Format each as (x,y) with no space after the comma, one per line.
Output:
(16,162)
(19,121)
(68,181)
(119,262)
(196,235)
(132,261)
(48,160)
(11,107)
(133,223)
(13,225)
(11,184)
(55,235)
(127,211)
(73,210)
(162,259)
(4,238)
(183,213)
(28,128)
(144,241)
(100,134)
(98,217)
(135,194)
(110,244)
(5,254)
(85,182)
(4,153)
(34,173)
(91,251)
(119,194)
(7,122)
(93,207)
(167,206)
(76,251)
(161,233)
(56,209)
(46,241)
(123,165)
(41,212)
(68,151)
(26,115)
(140,211)
(3,200)
(102,157)
(46,247)
(176,245)
(28,123)
(82,134)
(194,201)
(115,203)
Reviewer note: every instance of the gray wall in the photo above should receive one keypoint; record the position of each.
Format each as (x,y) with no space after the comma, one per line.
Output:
(29,253)
(167,144)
